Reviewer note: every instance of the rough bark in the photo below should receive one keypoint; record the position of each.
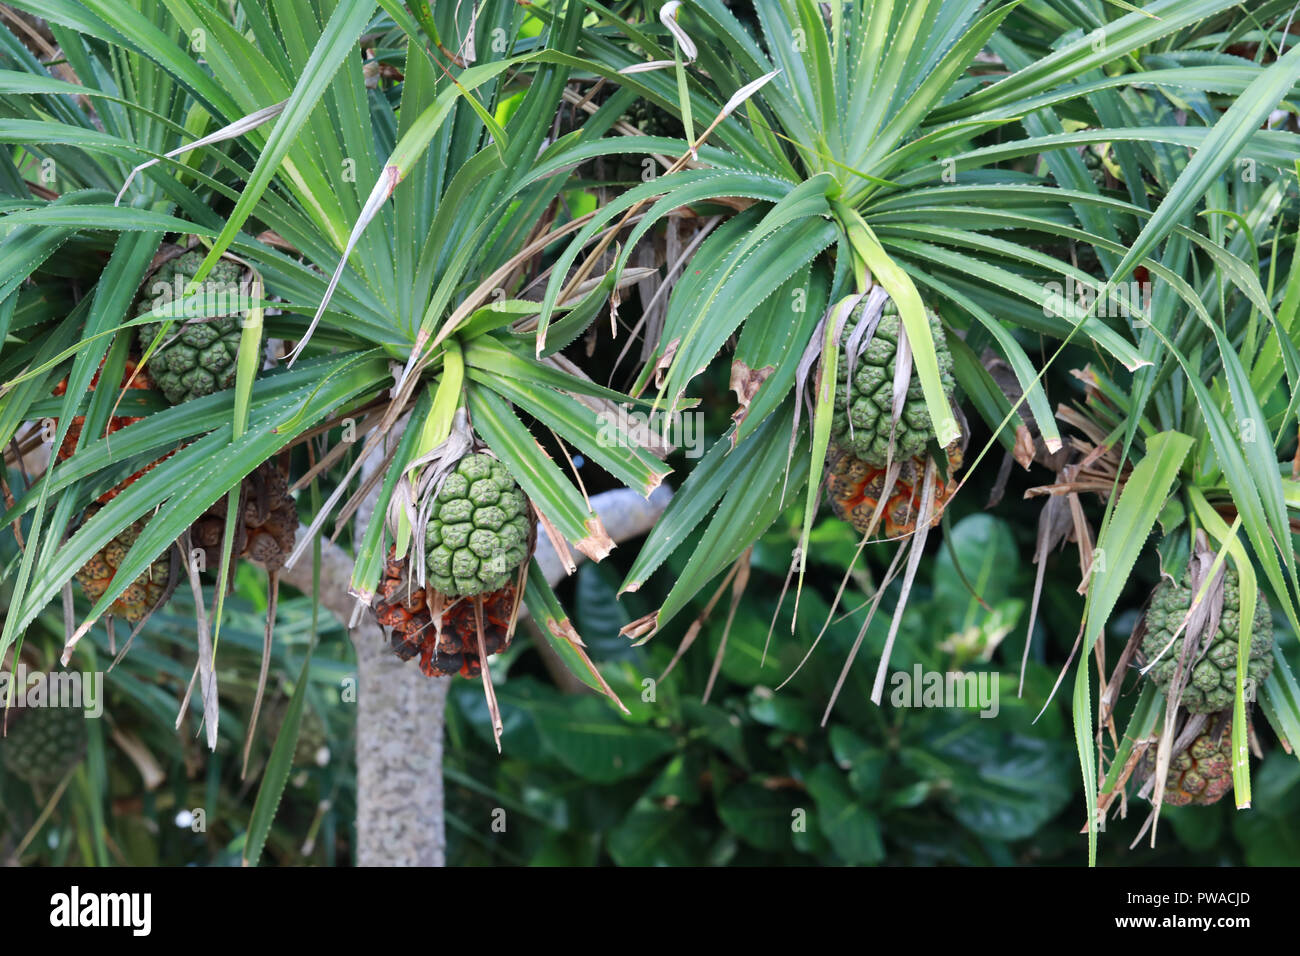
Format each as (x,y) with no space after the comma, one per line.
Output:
(399,728)
(399,758)
(400,711)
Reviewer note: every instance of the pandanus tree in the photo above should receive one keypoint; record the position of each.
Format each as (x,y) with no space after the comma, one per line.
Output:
(257,141)
(880,194)
(868,163)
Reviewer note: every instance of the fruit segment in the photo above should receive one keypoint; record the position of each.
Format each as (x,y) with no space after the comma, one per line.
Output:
(1212,683)
(143,593)
(198,356)
(862,421)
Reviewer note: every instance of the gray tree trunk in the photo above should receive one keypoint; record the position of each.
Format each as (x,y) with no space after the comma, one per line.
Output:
(399,732)
(399,758)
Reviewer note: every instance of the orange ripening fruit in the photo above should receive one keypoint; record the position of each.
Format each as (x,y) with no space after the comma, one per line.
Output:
(1202,773)
(143,594)
(115,424)
(449,646)
(856,487)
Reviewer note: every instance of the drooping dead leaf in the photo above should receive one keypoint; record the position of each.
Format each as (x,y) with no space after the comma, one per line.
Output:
(913,562)
(205,667)
(489,692)
(273,591)
(230,131)
(665,361)
(1024,447)
(737,592)
(693,631)
(598,544)
(1053,527)
(745,382)
(641,629)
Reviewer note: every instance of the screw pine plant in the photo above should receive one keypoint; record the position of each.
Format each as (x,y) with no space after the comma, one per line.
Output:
(884,199)
(1205,643)
(847,155)
(866,161)
(422,306)
(491,211)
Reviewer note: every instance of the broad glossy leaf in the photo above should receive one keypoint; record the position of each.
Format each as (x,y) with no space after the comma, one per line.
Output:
(594,742)
(654,836)
(1006,788)
(853,830)
(981,548)
(760,816)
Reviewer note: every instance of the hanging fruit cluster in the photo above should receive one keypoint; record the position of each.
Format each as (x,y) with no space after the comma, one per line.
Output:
(478,535)
(41,744)
(267,525)
(445,638)
(856,487)
(197,356)
(143,594)
(866,437)
(1202,773)
(1212,672)
(1197,673)
(131,379)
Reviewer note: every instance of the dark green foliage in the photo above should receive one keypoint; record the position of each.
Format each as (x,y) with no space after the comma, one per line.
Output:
(653,120)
